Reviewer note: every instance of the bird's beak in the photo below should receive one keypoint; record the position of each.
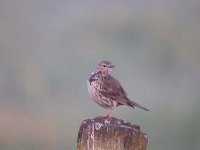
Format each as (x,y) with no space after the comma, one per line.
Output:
(112,66)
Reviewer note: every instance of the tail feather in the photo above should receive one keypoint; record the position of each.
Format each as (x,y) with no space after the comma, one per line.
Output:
(133,104)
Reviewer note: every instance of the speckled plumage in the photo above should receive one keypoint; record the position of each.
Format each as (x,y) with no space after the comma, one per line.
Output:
(105,90)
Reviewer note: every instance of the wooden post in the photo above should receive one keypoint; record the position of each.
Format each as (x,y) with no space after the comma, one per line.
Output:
(110,134)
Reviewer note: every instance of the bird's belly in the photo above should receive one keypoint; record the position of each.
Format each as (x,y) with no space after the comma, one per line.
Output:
(92,91)
(98,98)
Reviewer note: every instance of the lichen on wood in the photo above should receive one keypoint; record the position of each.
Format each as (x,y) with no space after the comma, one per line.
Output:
(110,134)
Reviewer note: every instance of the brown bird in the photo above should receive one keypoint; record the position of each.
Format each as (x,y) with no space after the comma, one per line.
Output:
(106,91)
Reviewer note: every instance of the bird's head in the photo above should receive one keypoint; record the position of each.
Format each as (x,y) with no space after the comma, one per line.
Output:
(104,67)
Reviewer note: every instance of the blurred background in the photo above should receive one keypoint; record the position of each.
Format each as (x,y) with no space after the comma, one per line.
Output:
(49,47)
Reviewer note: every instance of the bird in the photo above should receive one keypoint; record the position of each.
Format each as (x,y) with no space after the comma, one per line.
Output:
(107,91)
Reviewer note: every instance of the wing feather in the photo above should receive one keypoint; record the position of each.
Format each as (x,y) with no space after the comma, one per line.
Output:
(112,88)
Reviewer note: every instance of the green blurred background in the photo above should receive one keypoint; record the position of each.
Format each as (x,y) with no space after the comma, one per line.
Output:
(48,48)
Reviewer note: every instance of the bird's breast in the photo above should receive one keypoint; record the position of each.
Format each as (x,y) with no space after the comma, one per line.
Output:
(94,77)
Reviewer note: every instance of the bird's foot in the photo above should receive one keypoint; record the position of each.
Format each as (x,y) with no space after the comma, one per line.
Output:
(105,116)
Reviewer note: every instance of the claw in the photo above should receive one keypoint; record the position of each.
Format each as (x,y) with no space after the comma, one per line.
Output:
(106,116)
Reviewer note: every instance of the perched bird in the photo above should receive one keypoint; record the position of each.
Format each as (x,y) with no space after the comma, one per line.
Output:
(106,91)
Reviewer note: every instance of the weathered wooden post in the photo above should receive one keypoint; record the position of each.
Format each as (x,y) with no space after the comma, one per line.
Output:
(110,134)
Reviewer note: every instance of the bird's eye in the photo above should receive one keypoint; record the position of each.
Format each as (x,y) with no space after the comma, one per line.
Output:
(104,65)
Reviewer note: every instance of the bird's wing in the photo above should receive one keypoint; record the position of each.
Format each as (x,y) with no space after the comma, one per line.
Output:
(112,88)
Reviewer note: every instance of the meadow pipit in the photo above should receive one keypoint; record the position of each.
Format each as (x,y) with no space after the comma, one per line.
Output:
(106,91)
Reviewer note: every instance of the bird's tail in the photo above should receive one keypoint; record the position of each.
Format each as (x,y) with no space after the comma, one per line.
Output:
(133,104)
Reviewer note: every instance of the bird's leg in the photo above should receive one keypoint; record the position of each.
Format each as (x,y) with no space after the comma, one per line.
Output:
(107,114)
